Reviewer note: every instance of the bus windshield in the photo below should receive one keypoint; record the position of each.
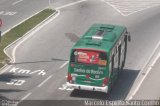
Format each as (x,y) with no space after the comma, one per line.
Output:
(89,57)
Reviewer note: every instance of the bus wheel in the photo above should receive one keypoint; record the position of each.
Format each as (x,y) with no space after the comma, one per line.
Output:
(123,63)
(108,94)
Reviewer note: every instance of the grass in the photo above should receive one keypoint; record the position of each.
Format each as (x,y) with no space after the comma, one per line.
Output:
(19,31)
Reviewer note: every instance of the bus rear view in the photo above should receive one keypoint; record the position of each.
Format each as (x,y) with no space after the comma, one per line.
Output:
(92,64)
(87,70)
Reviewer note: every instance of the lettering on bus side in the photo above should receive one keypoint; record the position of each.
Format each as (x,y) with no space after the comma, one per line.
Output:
(87,71)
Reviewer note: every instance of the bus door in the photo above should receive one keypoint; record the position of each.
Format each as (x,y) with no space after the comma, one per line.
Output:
(114,65)
(123,50)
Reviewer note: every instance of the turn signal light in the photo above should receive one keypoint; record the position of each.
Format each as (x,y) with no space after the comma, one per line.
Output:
(72,65)
(105,81)
(69,78)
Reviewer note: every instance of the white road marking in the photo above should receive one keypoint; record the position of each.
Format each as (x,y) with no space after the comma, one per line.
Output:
(26,37)
(25,97)
(35,14)
(128,7)
(40,72)
(5,69)
(32,32)
(1,12)
(8,13)
(12,57)
(25,71)
(45,81)
(14,3)
(19,24)
(63,65)
(64,87)
(147,72)
(115,8)
(16,82)
(70,4)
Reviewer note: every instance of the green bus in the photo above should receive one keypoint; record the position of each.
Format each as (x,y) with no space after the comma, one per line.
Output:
(97,58)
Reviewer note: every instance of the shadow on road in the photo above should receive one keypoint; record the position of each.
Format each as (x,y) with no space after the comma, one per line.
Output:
(72,37)
(7,77)
(120,89)
(10,90)
(3,98)
(7,91)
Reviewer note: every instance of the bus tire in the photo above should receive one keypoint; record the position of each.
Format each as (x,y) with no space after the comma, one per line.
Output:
(110,86)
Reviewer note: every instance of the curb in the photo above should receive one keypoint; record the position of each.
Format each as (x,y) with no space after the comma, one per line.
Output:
(25,35)
(144,72)
(22,22)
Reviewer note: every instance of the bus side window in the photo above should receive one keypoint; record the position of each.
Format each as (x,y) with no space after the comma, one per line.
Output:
(110,68)
(112,60)
(116,54)
(103,56)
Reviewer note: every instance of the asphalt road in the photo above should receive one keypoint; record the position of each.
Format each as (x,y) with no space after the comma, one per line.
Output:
(13,12)
(40,70)
(149,89)
(149,79)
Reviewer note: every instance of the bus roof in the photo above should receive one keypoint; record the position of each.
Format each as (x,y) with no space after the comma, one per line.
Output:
(100,37)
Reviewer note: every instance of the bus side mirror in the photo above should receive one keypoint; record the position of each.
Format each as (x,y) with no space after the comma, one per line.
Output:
(129,37)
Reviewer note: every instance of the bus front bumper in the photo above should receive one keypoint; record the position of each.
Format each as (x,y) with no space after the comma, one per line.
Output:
(86,87)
